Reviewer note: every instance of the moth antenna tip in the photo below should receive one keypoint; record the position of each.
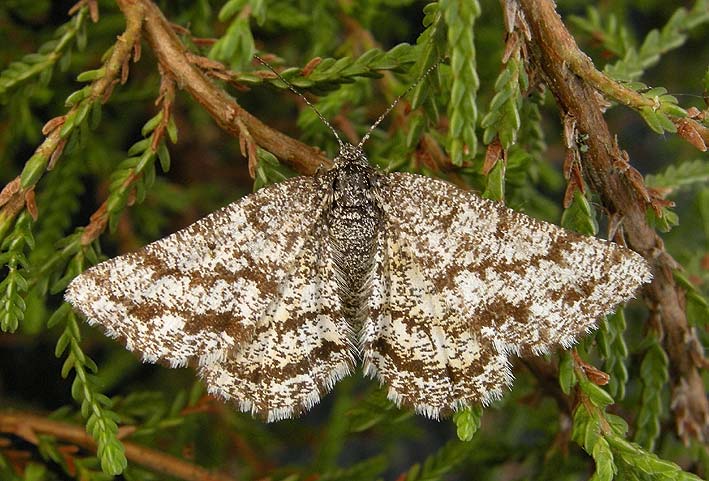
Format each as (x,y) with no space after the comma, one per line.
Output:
(300,94)
(421,77)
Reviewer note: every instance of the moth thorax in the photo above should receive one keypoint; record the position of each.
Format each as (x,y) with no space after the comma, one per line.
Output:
(353,220)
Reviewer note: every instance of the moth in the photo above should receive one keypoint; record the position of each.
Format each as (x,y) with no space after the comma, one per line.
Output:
(276,297)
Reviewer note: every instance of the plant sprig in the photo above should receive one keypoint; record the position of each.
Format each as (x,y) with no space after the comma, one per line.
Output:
(15,284)
(654,375)
(462,112)
(40,64)
(612,346)
(101,421)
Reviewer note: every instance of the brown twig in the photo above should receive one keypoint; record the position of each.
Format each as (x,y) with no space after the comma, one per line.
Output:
(579,63)
(28,425)
(555,53)
(247,147)
(165,100)
(174,59)
(693,132)
(595,375)
(92,6)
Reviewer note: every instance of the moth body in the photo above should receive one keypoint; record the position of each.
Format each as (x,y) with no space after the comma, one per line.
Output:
(353,218)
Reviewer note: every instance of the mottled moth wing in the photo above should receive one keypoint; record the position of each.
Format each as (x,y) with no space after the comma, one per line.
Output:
(417,339)
(461,282)
(301,347)
(203,290)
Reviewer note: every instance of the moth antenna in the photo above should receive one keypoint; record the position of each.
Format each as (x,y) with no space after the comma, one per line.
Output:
(299,93)
(396,101)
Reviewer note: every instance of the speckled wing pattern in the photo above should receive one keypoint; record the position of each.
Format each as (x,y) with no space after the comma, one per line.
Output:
(461,282)
(276,296)
(196,294)
(301,346)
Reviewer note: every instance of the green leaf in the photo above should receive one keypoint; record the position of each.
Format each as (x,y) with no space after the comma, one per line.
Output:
(34,169)
(670,108)
(580,217)
(231,8)
(91,75)
(467,422)
(665,222)
(657,119)
(172,130)
(495,186)
(596,394)
(68,127)
(676,177)
(602,455)
(150,125)
(58,315)
(62,344)
(81,113)
(113,458)
(567,376)
(76,97)
(237,45)
(416,129)
(139,147)
(164,157)
(697,309)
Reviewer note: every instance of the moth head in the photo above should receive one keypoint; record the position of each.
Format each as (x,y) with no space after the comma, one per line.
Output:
(350,154)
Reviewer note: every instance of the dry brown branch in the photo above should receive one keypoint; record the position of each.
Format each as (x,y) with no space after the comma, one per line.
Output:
(569,75)
(29,425)
(175,60)
(693,132)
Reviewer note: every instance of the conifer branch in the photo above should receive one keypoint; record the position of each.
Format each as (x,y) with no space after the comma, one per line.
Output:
(659,110)
(174,60)
(28,425)
(58,130)
(620,196)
